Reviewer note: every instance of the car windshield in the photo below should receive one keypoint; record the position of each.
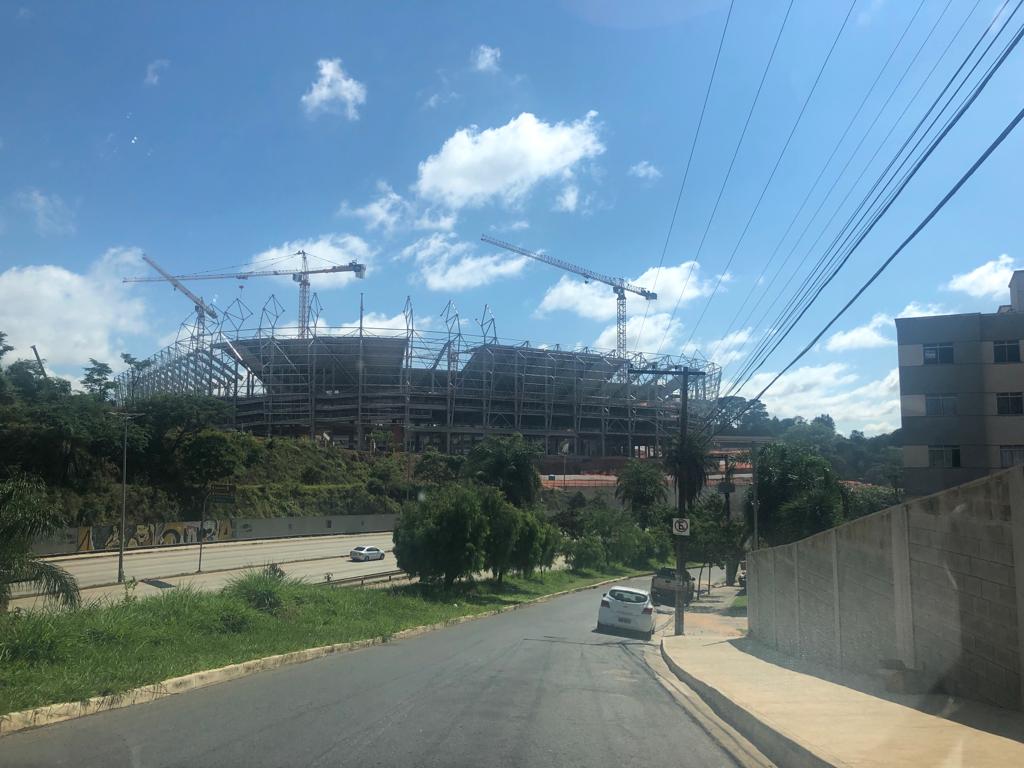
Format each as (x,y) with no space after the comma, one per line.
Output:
(555,301)
(627,597)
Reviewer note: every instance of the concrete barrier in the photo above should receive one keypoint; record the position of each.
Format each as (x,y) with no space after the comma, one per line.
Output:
(930,585)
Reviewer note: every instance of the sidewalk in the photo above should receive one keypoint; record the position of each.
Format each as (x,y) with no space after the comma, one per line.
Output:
(800,719)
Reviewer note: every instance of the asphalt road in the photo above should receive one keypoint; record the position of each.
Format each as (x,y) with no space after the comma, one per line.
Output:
(308,557)
(533,687)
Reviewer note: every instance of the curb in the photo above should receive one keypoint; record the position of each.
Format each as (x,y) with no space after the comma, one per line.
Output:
(777,747)
(56,713)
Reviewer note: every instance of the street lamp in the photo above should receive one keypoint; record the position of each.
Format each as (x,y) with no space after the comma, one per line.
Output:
(125,418)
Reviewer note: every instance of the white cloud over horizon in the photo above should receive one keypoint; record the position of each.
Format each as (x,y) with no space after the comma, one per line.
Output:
(332,89)
(475,167)
(447,264)
(990,280)
(867,336)
(87,314)
(390,211)
(833,388)
(324,251)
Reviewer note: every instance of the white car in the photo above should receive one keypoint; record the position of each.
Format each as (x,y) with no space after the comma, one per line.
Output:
(367,553)
(626,608)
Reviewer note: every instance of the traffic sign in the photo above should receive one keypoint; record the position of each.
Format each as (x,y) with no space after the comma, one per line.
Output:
(681,526)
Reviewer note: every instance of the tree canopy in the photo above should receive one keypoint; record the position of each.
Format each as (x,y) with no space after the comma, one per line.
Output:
(507,463)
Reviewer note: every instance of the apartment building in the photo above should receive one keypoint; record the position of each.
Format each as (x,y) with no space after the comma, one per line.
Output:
(961,394)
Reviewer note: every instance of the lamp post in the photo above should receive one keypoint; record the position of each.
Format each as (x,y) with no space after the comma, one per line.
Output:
(125,418)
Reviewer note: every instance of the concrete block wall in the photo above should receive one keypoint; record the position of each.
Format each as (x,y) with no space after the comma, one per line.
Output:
(931,583)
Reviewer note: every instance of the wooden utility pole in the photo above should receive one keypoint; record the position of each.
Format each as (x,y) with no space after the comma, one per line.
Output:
(684,414)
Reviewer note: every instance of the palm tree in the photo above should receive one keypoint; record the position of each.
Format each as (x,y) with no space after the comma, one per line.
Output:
(640,486)
(688,462)
(26,513)
(508,463)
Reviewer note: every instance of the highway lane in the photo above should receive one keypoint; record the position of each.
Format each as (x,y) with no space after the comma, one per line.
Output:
(533,687)
(95,569)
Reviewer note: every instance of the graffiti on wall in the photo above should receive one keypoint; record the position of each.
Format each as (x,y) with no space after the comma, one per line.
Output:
(94,538)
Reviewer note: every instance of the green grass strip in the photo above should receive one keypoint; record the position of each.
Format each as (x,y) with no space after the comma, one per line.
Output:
(49,656)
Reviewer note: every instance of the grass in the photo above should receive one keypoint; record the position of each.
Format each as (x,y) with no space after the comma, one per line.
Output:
(48,656)
(738,606)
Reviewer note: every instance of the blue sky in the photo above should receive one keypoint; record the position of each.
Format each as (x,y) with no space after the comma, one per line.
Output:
(210,135)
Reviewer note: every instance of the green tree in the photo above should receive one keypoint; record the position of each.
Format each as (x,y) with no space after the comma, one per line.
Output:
(507,463)
(529,548)
(25,514)
(688,462)
(97,381)
(504,524)
(587,554)
(641,486)
(207,456)
(442,537)
(4,346)
(798,494)
(436,468)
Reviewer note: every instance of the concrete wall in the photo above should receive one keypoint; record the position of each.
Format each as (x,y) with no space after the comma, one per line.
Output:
(105,537)
(931,583)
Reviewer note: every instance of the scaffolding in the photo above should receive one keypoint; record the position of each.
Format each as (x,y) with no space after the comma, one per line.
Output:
(423,388)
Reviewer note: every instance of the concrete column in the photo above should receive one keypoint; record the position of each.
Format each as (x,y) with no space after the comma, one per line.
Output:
(835,598)
(1017,524)
(903,601)
(775,604)
(796,593)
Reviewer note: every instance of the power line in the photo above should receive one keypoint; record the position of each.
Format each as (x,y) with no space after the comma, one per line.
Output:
(798,305)
(771,176)
(689,160)
(885,264)
(835,150)
(728,173)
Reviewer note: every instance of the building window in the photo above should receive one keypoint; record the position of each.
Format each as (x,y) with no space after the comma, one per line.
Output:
(1011,455)
(946,456)
(1006,351)
(940,405)
(1010,403)
(938,354)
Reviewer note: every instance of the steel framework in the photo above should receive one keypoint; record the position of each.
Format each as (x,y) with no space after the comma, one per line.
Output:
(423,388)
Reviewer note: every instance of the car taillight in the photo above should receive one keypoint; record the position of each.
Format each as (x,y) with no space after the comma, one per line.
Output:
(648,609)
(605,603)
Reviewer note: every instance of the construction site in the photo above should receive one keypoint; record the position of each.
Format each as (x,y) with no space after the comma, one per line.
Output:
(416,388)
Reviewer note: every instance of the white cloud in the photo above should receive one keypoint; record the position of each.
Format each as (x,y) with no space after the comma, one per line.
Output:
(867,336)
(596,301)
(323,251)
(153,70)
(447,264)
(333,88)
(568,199)
(990,280)
(512,226)
(485,58)
(437,99)
(52,216)
(72,316)
(916,309)
(474,167)
(729,348)
(873,407)
(644,170)
(390,211)
(659,330)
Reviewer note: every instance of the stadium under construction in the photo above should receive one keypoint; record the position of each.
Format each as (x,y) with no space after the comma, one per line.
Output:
(419,388)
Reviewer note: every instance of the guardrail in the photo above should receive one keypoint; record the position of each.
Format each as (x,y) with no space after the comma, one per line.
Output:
(351,581)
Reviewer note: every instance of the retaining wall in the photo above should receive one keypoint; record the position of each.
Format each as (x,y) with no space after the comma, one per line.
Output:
(931,583)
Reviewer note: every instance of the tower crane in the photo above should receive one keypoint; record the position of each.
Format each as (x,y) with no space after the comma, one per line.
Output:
(202,309)
(300,276)
(618,285)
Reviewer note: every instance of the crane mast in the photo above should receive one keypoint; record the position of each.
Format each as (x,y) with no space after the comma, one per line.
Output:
(618,285)
(300,276)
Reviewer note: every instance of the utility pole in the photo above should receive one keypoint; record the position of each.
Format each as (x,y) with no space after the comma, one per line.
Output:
(684,414)
(125,418)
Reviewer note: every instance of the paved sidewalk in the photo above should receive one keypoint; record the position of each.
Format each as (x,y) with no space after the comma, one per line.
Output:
(799,719)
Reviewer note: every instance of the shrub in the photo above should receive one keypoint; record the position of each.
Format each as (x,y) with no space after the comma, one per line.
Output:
(587,554)
(258,590)
(32,637)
